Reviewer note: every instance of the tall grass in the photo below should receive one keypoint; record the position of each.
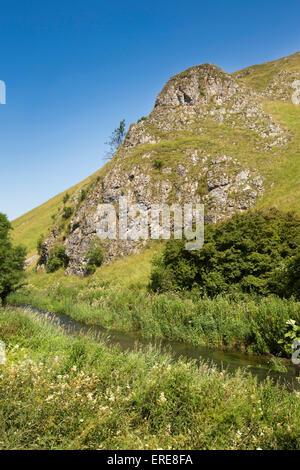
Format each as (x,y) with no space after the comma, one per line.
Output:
(252,324)
(58,392)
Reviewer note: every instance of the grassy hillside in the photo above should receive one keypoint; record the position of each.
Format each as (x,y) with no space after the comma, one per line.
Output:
(260,76)
(283,169)
(31,225)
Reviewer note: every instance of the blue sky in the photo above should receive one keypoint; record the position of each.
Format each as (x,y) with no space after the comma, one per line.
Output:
(74,69)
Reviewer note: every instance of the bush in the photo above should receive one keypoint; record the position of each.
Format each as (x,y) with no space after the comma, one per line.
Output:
(12,261)
(66,198)
(246,253)
(158,164)
(83,195)
(94,258)
(67,212)
(286,279)
(57,259)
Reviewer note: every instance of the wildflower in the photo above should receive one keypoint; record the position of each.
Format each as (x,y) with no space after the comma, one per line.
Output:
(162,398)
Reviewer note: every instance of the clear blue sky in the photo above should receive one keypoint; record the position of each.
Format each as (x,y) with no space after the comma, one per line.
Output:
(73,69)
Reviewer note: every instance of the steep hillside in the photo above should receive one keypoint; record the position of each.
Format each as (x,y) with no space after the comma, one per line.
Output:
(38,221)
(229,141)
(276,80)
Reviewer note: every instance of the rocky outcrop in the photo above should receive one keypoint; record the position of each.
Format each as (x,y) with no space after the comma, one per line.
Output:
(163,160)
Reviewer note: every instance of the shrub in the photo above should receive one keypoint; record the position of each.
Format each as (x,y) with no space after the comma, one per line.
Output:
(243,253)
(292,334)
(67,212)
(94,258)
(66,198)
(158,164)
(83,195)
(39,244)
(286,278)
(57,259)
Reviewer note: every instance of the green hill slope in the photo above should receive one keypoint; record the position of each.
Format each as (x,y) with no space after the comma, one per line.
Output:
(38,221)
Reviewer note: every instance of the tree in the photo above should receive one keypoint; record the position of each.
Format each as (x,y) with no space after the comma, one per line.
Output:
(12,261)
(116,139)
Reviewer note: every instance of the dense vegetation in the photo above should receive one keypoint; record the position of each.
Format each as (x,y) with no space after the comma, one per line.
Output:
(255,252)
(94,258)
(12,260)
(57,259)
(58,392)
(243,323)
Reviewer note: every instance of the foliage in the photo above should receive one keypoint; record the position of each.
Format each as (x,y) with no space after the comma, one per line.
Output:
(292,334)
(66,198)
(231,322)
(158,164)
(73,393)
(288,277)
(116,139)
(12,260)
(67,212)
(83,195)
(57,259)
(243,253)
(39,244)
(94,258)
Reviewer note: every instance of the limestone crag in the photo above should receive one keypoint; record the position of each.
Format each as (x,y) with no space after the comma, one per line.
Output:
(179,154)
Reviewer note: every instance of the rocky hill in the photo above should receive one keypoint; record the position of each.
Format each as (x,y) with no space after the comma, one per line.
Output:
(229,141)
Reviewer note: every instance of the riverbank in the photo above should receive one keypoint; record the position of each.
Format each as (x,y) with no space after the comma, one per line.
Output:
(245,324)
(61,392)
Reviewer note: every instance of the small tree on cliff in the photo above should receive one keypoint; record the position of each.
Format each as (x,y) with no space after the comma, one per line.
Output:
(12,261)
(116,139)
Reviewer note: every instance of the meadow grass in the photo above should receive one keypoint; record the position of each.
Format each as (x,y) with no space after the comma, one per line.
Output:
(60,392)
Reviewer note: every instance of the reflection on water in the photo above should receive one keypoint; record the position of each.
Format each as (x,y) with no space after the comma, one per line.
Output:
(231,361)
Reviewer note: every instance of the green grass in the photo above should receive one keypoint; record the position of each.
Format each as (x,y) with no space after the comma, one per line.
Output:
(283,174)
(58,392)
(118,299)
(38,221)
(262,74)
